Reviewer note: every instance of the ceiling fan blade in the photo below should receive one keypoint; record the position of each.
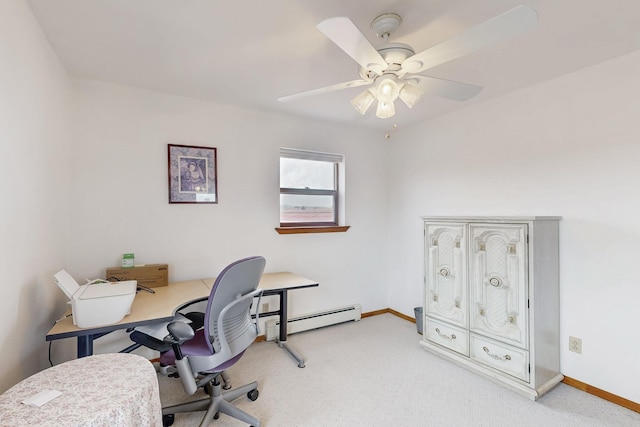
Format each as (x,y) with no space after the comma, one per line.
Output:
(326,89)
(499,28)
(449,89)
(347,37)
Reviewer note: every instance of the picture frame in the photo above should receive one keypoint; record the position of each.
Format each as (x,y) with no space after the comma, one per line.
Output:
(192,174)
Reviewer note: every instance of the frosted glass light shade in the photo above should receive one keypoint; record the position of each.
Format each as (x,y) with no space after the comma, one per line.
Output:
(410,95)
(385,110)
(387,90)
(363,101)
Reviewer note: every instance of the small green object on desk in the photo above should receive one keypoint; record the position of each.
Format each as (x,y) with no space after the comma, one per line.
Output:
(127,260)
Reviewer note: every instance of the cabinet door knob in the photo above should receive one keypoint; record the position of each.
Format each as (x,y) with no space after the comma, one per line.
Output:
(495,281)
(444,271)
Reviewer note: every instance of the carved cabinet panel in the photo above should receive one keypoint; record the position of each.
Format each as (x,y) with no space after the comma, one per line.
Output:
(447,273)
(498,282)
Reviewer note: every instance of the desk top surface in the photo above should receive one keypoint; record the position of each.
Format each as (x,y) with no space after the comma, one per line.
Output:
(161,305)
(279,281)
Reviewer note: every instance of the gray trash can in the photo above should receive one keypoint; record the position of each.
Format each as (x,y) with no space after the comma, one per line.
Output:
(419,318)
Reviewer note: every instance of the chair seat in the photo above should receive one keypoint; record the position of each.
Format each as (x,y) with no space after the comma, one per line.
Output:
(197,346)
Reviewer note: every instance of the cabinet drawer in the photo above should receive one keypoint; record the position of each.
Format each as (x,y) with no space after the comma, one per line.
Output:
(505,358)
(447,336)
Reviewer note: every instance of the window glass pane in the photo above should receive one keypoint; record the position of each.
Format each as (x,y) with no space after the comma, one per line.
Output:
(297,173)
(306,208)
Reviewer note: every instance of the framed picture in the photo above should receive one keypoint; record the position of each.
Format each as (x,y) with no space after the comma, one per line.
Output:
(192,174)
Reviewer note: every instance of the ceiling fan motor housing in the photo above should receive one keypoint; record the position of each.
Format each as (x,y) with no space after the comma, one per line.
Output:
(394,54)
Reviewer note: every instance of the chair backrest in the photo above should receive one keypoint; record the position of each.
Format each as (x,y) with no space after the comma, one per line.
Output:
(230,325)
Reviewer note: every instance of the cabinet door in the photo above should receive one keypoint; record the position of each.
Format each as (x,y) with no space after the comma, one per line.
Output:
(446,272)
(498,282)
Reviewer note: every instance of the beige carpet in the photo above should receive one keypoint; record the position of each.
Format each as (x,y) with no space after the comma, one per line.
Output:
(374,373)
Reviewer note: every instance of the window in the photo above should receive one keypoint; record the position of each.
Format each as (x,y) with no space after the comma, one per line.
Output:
(310,184)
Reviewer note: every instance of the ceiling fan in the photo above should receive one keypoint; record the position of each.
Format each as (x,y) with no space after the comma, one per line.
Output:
(391,70)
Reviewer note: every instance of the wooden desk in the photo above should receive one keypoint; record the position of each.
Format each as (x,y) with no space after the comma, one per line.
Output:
(279,284)
(146,308)
(162,305)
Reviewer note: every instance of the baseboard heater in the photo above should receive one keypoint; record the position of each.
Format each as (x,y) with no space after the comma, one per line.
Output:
(314,320)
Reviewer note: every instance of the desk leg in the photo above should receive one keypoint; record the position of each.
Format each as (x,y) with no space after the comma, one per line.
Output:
(85,346)
(282,341)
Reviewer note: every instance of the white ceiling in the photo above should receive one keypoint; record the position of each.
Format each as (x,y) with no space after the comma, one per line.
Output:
(250,52)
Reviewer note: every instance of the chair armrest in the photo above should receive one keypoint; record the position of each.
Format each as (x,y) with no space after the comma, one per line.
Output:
(140,338)
(179,332)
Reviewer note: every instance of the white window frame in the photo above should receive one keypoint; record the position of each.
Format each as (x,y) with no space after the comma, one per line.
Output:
(339,192)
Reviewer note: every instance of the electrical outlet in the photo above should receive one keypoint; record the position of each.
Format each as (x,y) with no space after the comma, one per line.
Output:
(575,345)
(265,307)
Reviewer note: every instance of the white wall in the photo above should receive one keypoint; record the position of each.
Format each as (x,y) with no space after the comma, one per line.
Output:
(119,194)
(33,186)
(567,147)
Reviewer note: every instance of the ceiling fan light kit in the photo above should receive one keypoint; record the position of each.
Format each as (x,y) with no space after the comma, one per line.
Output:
(393,68)
(410,95)
(363,101)
(387,91)
(385,110)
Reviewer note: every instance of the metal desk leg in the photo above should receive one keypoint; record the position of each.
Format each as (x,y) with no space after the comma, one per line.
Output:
(282,340)
(293,352)
(85,345)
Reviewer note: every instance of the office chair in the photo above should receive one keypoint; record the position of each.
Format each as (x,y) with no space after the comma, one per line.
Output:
(203,355)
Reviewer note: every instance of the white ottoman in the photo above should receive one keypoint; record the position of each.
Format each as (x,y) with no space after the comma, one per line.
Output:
(104,390)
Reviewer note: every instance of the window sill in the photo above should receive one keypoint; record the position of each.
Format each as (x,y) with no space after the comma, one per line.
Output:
(321,229)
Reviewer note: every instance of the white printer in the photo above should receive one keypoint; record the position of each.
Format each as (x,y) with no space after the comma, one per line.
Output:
(97,304)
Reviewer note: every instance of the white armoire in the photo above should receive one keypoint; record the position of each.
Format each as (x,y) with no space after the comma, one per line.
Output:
(491,298)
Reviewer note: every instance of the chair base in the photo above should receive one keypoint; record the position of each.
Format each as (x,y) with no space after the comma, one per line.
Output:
(219,402)
(172,371)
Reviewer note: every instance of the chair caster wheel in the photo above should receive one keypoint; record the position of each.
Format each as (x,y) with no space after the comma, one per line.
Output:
(253,395)
(216,416)
(167,420)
